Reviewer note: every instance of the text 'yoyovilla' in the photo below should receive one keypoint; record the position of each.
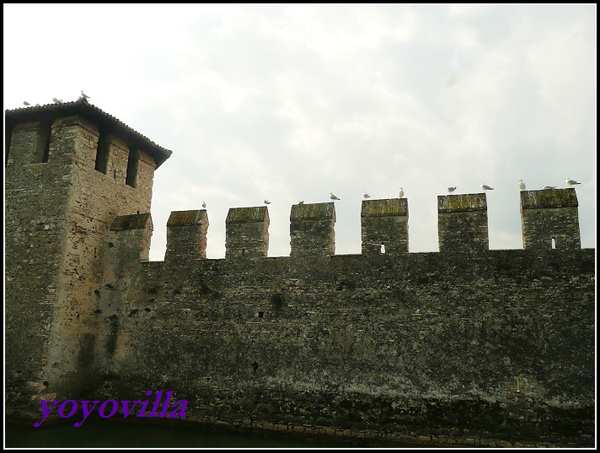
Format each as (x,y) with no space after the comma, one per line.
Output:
(109,408)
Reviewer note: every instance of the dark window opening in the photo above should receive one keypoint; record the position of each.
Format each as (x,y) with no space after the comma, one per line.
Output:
(102,152)
(42,146)
(261,314)
(132,167)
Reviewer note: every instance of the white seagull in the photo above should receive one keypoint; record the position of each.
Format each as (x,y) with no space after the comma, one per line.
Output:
(84,96)
(451,189)
(26,104)
(521,184)
(548,187)
(57,101)
(204,204)
(332,196)
(401,194)
(267,202)
(366,195)
(571,182)
(486,187)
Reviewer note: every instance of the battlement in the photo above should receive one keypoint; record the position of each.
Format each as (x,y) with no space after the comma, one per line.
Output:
(462,226)
(186,235)
(463,223)
(384,226)
(549,219)
(312,230)
(247,232)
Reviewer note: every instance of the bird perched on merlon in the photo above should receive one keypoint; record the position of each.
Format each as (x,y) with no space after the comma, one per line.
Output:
(57,101)
(486,187)
(204,204)
(401,194)
(521,185)
(548,187)
(267,202)
(84,96)
(26,104)
(332,196)
(366,195)
(571,182)
(451,189)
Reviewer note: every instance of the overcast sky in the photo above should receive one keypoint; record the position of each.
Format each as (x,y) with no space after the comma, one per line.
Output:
(291,102)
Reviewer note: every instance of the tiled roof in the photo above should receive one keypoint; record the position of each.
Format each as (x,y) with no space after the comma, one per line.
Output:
(102,119)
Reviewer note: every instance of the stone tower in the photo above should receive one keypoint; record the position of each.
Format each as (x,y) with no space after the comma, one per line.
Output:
(549,219)
(71,169)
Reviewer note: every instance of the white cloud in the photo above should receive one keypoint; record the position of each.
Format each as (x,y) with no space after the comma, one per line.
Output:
(291,102)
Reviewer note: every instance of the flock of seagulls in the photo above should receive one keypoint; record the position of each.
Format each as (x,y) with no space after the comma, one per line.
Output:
(83,97)
(569,181)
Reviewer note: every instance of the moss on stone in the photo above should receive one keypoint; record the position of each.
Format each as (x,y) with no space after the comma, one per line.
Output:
(462,202)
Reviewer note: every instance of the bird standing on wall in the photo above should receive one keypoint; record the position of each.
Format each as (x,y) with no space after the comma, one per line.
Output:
(548,187)
(26,104)
(57,101)
(571,182)
(401,194)
(332,196)
(451,189)
(366,195)
(204,204)
(84,96)
(521,184)
(267,202)
(486,187)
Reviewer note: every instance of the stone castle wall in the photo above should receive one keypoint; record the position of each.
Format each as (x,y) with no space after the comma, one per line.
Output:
(465,342)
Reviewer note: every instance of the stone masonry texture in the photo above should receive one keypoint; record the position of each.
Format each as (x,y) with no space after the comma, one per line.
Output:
(463,346)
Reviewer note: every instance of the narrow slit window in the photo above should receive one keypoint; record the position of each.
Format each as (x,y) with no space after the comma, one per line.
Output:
(553,244)
(132,167)
(42,147)
(102,152)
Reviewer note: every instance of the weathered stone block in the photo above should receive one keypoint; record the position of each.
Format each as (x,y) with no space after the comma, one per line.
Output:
(247,232)
(384,226)
(549,219)
(463,223)
(186,235)
(312,229)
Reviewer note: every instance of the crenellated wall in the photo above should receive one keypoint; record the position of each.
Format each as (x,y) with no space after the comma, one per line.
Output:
(496,346)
